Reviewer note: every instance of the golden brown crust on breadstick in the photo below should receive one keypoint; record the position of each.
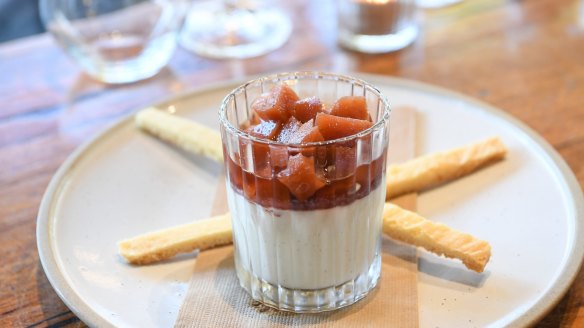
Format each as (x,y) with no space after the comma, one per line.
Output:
(413,229)
(164,244)
(398,223)
(430,170)
(186,134)
(413,176)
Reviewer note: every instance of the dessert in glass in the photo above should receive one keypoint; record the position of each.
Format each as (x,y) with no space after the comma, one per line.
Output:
(305,157)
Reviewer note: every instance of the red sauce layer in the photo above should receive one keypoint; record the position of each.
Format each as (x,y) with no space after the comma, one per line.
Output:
(273,193)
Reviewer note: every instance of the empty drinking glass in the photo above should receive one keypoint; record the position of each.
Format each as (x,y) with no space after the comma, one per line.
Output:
(235,28)
(116,41)
(436,3)
(376,26)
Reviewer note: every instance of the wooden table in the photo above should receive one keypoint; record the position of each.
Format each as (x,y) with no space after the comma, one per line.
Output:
(526,57)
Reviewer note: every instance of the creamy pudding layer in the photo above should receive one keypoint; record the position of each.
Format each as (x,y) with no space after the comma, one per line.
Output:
(307,249)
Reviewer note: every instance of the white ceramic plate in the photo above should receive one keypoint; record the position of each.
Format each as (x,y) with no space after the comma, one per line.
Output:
(123,183)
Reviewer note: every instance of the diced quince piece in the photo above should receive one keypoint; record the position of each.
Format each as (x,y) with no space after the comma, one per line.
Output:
(265,158)
(313,135)
(254,119)
(363,176)
(300,177)
(271,193)
(276,105)
(289,130)
(338,192)
(234,170)
(265,129)
(351,106)
(307,108)
(249,187)
(278,156)
(306,133)
(345,162)
(335,127)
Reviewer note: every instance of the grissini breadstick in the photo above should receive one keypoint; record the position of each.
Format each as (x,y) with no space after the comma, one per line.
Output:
(398,223)
(164,244)
(186,134)
(415,175)
(430,170)
(437,238)
(412,176)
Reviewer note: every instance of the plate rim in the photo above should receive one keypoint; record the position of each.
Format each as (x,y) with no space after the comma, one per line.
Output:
(531,316)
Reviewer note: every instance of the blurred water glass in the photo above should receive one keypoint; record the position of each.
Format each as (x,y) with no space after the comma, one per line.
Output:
(235,28)
(436,3)
(376,26)
(116,41)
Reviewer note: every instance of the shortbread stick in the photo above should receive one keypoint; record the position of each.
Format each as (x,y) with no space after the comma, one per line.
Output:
(397,223)
(164,244)
(434,169)
(413,176)
(437,238)
(186,134)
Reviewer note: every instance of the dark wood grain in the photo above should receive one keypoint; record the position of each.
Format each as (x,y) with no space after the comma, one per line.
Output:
(526,57)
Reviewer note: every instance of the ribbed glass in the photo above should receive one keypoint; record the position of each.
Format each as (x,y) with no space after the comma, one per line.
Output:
(320,253)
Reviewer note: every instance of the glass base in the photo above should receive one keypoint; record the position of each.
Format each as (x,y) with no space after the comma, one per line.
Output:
(215,30)
(309,301)
(378,43)
(124,59)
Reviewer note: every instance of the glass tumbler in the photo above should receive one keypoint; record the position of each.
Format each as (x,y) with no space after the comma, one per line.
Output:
(376,26)
(436,3)
(235,28)
(116,41)
(321,251)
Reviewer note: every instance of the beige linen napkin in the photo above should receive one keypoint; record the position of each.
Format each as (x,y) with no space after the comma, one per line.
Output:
(215,299)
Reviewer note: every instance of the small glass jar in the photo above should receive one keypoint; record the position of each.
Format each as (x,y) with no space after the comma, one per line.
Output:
(311,254)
